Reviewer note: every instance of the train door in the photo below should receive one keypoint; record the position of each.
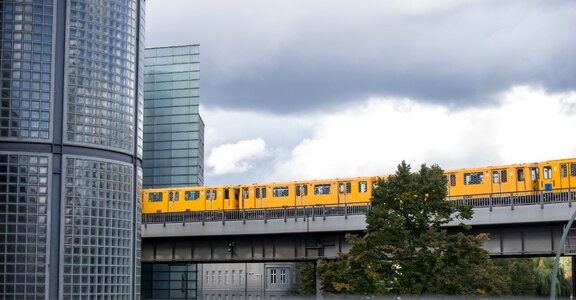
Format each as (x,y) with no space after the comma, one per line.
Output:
(259,196)
(535,175)
(564,180)
(521,185)
(547,182)
(344,192)
(172,200)
(499,180)
(450,183)
(236,196)
(210,199)
(246,195)
(301,194)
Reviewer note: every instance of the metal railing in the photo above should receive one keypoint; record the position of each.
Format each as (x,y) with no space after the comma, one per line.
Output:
(322,211)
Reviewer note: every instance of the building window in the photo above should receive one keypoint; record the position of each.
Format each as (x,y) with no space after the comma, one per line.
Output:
(321,189)
(213,277)
(547,172)
(473,178)
(226,277)
(283,276)
(272,276)
(520,175)
(155,197)
(219,277)
(280,191)
(241,276)
(191,195)
(362,187)
(233,276)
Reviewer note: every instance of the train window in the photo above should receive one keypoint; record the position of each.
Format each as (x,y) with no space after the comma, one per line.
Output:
(495,177)
(226,194)
(362,187)
(452,180)
(300,190)
(520,174)
(211,195)
(547,172)
(280,191)
(504,176)
(244,193)
(473,178)
(573,170)
(535,174)
(174,196)
(321,189)
(191,195)
(155,197)
(344,187)
(260,193)
(564,171)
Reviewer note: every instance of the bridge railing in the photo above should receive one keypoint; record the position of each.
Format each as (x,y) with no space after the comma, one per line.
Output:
(322,211)
(512,199)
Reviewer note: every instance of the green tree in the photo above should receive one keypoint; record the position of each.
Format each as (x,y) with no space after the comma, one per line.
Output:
(543,271)
(519,274)
(306,278)
(405,250)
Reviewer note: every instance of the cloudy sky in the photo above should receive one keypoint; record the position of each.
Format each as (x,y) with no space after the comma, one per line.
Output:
(300,89)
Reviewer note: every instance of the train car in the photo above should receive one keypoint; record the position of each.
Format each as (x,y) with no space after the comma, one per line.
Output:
(187,199)
(492,179)
(553,175)
(557,174)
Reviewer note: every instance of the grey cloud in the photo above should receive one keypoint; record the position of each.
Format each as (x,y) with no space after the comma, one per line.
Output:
(295,56)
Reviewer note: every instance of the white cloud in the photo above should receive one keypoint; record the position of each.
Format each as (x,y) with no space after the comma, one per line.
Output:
(527,125)
(236,157)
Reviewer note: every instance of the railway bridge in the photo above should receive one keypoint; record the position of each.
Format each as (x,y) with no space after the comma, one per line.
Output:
(529,224)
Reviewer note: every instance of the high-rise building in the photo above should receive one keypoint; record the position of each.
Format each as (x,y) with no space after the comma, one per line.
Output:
(70,148)
(173,129)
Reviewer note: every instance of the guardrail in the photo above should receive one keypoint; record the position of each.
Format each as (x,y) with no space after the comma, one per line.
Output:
(322,211)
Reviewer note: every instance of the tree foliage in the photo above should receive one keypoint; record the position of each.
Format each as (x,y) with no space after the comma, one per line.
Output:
(543,271)
(405,250)
(306,278)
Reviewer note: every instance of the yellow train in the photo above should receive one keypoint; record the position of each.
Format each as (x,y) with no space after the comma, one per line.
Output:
(527,177)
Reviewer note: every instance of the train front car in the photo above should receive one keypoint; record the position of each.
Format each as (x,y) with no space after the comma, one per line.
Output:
(154,201)
(557,175)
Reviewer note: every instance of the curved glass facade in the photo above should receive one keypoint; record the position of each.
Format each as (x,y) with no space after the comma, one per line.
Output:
(27,39)
(101,72)
(70,148)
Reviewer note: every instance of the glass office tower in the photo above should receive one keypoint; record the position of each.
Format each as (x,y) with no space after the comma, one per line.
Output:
(70,148)
(173,129)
